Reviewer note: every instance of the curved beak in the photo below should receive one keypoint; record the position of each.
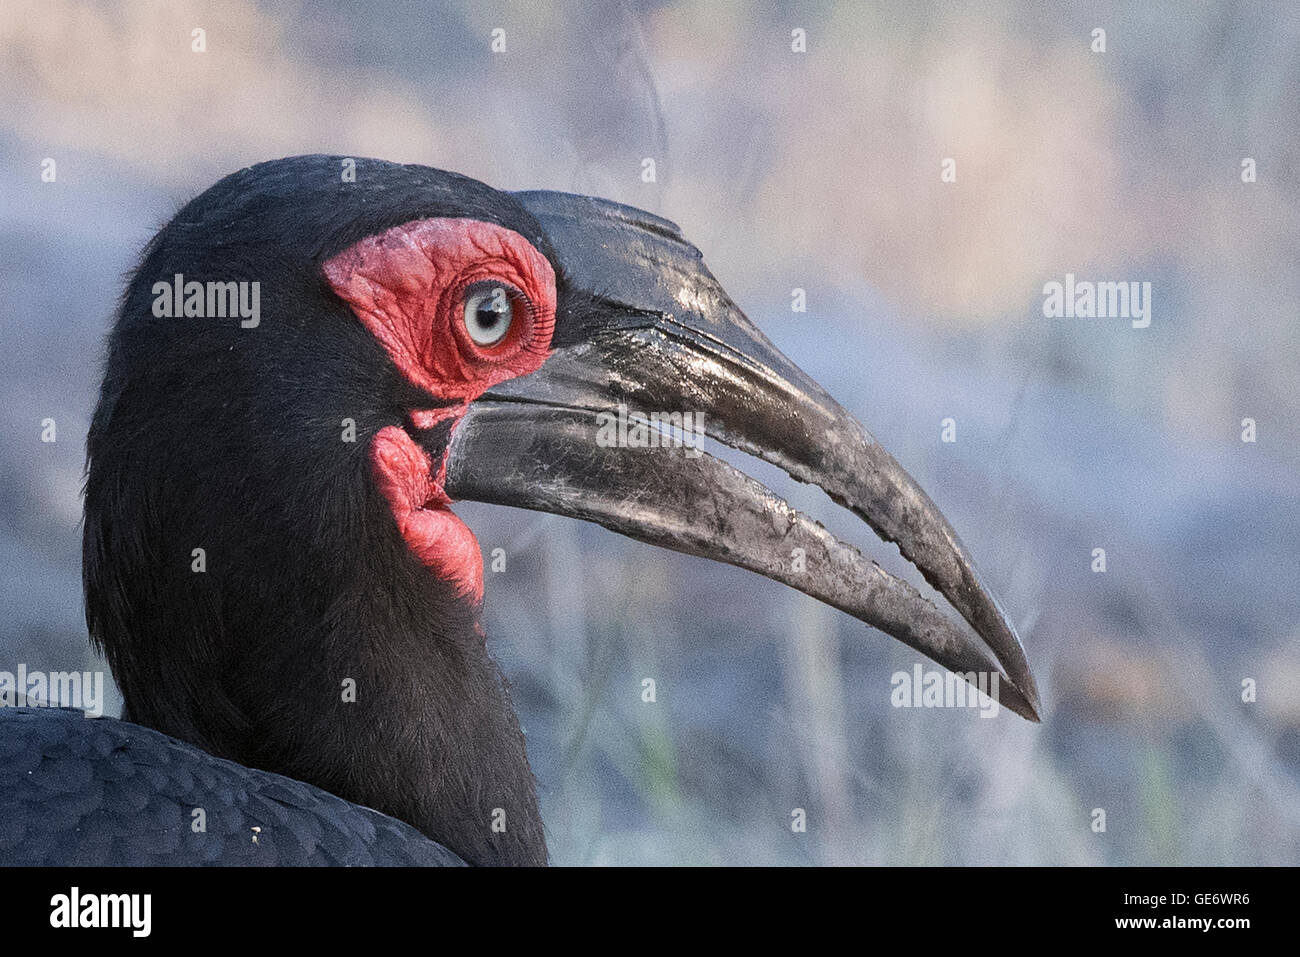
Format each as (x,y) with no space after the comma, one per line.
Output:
(650,355)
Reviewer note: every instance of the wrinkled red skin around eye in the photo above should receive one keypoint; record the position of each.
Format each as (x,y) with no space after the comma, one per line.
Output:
(406,286)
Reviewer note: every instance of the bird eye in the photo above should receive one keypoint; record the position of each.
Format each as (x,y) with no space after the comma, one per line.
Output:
(489,311)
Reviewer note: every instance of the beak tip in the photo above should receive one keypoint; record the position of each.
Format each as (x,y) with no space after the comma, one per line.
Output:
(1025,703)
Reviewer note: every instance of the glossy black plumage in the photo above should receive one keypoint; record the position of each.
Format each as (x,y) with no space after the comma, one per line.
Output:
(85,791)
(209,435)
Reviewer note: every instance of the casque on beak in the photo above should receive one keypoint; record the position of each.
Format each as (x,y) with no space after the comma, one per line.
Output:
(642,323)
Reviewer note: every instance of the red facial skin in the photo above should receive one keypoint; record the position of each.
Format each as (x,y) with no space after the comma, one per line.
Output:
(407,286)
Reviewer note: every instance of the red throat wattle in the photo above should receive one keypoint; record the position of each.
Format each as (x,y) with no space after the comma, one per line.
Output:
(408,286)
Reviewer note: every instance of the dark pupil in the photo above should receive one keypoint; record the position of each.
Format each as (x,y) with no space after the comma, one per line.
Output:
(490,313)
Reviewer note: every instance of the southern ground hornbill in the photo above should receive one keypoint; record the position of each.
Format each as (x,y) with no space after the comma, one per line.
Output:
(314,686)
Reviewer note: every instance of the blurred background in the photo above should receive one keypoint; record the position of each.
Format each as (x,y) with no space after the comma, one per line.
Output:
(818,171)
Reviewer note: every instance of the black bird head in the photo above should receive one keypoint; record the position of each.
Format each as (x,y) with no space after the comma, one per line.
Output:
(308,367)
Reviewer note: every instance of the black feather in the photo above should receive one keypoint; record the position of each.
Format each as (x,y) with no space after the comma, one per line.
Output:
(209,435)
